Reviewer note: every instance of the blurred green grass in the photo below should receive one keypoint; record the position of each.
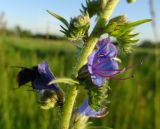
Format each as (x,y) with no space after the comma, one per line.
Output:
(133,101)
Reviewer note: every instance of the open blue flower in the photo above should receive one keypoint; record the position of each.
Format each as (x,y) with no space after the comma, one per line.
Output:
(40,76)
(86,110)
(102,64)
(44,77)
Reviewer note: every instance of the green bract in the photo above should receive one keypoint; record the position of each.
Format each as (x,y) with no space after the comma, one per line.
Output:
(77,28)
(80,121)
(122,30)
(92,7)
(97,96)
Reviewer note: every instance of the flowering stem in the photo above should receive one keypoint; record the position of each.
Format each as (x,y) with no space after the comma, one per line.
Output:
(68,106)
(90,45)
(97,31)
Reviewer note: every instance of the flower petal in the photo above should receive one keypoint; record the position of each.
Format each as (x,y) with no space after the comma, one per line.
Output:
(86,110)
(98,80)
(101,63)
(103,43)
(45,76)
(90,61)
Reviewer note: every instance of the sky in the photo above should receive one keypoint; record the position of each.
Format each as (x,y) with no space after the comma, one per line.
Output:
(32,15)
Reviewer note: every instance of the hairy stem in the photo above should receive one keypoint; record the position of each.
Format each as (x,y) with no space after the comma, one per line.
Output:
(90,45)
(68,107)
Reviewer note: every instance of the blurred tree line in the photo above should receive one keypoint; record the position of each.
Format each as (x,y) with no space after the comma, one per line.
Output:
(3,23)
(149,44)
(22,33)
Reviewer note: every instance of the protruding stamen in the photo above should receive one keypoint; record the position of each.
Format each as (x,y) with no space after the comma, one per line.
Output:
(111,70)
(112,76)
(102,74)
(134,66)
(120,70)
(132,76)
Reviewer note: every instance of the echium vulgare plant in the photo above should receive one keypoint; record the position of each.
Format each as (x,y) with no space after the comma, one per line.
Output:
(96,65)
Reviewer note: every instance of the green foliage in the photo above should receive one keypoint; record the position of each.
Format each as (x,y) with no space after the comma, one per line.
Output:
(98,96)
(80,121)
(92,7)
(132,104)
(68,81)
(60,18)
(122,30)
(77,28)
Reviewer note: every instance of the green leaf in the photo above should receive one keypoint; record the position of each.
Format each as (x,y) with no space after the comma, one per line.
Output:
(68,81)
(136,23)
(64,29)
(60,18)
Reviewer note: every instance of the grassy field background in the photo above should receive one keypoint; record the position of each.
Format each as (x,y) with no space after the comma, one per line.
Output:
(134,103)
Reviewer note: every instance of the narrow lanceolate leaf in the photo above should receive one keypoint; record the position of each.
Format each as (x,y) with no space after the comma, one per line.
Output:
(68,81)
(93,7)
(63,28)
(60,18)
(136,23)
(133,35)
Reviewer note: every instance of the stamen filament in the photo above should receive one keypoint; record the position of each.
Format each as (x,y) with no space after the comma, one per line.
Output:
(101,74)
(132,76)
(122,69)
(112,76)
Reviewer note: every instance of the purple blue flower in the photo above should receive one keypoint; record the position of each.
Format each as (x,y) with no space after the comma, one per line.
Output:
(44,77)
(86,110)
(102,64)
(39,76)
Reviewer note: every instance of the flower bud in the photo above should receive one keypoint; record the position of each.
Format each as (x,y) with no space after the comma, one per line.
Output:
(119,20)
(78,27)
(122,30)
(81,20)
(79,121)
(115,25)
